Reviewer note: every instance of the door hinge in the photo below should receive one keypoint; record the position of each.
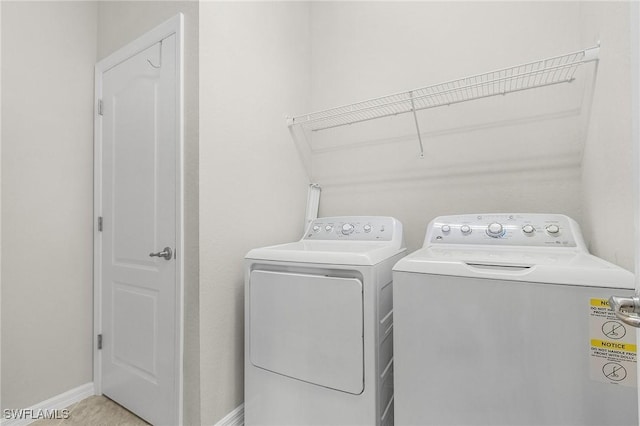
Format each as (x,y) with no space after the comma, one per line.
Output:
(99,341)
(100,107)
(99,223)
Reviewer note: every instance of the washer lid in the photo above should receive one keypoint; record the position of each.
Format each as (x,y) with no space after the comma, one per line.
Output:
(359,253)
(542,265)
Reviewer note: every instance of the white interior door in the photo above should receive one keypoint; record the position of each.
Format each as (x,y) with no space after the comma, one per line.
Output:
(139,205)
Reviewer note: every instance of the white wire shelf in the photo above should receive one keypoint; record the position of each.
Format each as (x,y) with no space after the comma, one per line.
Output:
(545,72)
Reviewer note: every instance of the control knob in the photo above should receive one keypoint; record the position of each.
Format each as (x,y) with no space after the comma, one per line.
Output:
(495,230)
(316,228)
(528,230)
(553,230)
(367,228)
(347,229)
(445,229)
(328,228)
(465,229)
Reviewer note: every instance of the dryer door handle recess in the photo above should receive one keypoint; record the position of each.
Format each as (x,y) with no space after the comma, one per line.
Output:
(625,308)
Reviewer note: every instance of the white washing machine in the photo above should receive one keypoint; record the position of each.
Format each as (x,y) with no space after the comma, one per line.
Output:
(502,319)
(318,325)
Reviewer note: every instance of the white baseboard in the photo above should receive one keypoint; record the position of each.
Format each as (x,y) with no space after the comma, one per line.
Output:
(234,418)
(58,402)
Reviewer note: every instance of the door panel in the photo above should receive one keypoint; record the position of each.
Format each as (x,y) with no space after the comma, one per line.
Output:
(134,347)
(134,159)
(309,328)
(139,146)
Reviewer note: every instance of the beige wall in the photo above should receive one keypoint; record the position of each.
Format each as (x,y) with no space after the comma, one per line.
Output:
(557,149)
(635,117)
(607,175)
(254,67)
(120,22)
(518,153)
(48,55)
(1,405)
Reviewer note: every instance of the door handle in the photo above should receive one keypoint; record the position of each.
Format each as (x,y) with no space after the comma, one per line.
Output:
(167,253)
(623,307)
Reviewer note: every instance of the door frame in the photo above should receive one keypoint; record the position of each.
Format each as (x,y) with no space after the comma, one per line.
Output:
(174,25)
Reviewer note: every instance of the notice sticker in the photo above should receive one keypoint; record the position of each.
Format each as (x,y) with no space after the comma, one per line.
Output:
(612,349)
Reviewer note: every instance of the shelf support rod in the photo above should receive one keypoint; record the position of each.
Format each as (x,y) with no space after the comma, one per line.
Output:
(415,119)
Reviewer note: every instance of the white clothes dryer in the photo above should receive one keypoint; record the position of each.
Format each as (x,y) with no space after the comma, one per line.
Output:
(503,319)
(318,325)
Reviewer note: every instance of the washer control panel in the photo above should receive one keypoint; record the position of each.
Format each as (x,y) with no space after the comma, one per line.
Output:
(353,228)
(513,229)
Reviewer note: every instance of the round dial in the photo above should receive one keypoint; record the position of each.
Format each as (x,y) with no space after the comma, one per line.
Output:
(446,228)
(347,228)
(328,228)
(465,229)
(367,228)
(316,228)
(495,230)
(553,230)
(528,230)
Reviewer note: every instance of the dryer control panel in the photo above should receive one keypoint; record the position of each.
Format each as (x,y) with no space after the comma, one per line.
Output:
(354,228)
(506,229)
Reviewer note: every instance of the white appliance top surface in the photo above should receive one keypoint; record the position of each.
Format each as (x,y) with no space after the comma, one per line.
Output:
(345,240)
(514,255)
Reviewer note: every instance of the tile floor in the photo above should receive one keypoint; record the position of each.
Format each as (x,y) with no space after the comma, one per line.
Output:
(96,411)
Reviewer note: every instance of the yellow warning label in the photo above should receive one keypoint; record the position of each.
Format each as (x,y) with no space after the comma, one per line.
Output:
(612,359)
(616,346)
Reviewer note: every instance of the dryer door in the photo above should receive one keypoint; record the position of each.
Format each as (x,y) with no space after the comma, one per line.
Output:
(308,327)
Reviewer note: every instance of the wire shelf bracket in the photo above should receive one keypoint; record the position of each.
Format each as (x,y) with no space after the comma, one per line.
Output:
(541,73)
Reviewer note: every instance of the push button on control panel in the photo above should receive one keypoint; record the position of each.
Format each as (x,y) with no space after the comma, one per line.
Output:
(465,229)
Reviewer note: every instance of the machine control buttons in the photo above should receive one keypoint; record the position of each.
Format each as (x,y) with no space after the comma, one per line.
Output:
(347,229)
(495,230)
(553,230)
(351,228)
(501,229)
